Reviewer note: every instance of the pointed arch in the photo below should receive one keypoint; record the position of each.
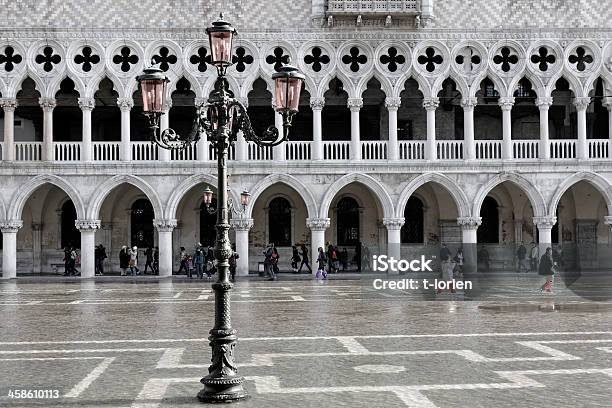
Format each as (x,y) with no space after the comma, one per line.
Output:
(27,189)
(460,83)
(497,82)
(102,191)
(535,197)
(300,188)
(347,85)
(54,85)
(368,181)
(94,84)
(574,83)
(16,83)
(424,86)
(600,183)
(536,83)
(385,85)
(461,200)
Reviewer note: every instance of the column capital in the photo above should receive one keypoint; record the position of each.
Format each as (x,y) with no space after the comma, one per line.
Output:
(393,223)
(430,103)
(393,103)
(87,104)
(354,104)
(87,225)
(7,226)
(47,104)
(317,103)
(469,223)
(125,104)
(469,103)
(544,222)
(506,103)
(608,221)
(607,102)
(165,225)
(544,102)
(582,102)
(241,224)
(9,104)
(317,224)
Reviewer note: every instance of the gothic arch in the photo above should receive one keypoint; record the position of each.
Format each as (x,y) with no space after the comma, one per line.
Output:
(600,183)
(104,190)
(424,86)
(573,82)
(94,84)
(385,85)
(300,188)
(535,197)
(461,201)
(368,181)
(54,86)
(25,191)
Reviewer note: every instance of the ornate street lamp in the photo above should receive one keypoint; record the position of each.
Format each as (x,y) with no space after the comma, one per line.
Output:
(221,118)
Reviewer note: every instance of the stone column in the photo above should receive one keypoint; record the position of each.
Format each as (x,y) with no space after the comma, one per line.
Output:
(355,105)
(608,222)
(544,104)
(506,104)
(430,105)
(394,241)
(88,246)
(469,144)
(544,225)
(9,105)
(164,123)
(393,105)
(241,228)
(47,105)
(582,147)
(242,149)
(125,105)
(164,231)
(317,104)
(469,227)
(9,230)
(317,238)
(202,145)
(87,105)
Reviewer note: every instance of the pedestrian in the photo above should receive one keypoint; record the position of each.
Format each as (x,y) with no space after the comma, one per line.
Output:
(329,253)
(344,259)
(357,257)
(189,266)
(210,261)
(268,262)
(183,260)
(483,256)
(124,260)
(446,267)
(66,261)
(134,261)
(295,259)
(534,254)
(321,263)
(305,260)
(232,263)
(334,264)
(458,260)
(100,256)
(275,260)
(546,269)
(521,255)
(156,261)
(366,258)
(198,261)
(148,260)
(74,259)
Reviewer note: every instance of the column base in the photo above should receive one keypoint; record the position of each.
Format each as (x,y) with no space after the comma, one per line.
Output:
(222,390)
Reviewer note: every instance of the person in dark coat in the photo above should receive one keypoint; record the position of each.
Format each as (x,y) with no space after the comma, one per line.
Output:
(124,260)
(100,256)
(295,259)
(148,260)
(305,260)
(546,269)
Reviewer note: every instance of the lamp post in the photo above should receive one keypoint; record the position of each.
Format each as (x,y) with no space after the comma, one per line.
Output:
(221,118)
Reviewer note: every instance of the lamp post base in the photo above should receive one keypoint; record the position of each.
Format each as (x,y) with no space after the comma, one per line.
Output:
(218,390)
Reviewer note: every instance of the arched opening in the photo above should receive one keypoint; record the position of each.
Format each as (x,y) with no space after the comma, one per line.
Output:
(28,115)
(412,230)
(562,114)
(488,232)
(70,235)
(373,115)
(336,116)
(139,127)
(411,117)
(449,116)
(487,115)
(106,117)
(348,225)
(525,114)
(183,111)
(67,116)
(279,222)
(301,130)
(141,223)
(208,222)
(260,109)
(597,114)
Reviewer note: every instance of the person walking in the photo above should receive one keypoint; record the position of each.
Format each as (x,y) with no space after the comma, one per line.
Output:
(134,261)
(232,263)
(344,259)
(458,260)
(268,265)
(275,260)
(198,261)
(546,269)
(66,261)
(521,255)
(357,257)
(189,266)
(124,260)
(295,259)
(534,254)
(305,260)
(446,267)
(321,263)
(183,260)
(148,260)
(100,256)
(156,261)
(74,259)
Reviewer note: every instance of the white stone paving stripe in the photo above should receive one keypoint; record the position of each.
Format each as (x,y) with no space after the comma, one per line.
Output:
(352,345)
(90,378)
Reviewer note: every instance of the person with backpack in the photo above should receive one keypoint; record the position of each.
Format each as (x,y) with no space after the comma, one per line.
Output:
(321,264)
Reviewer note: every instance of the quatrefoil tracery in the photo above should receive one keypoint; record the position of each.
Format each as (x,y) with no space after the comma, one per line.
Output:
(10,58)
(543,58)
(317,59)
(392,59)
(165,59)
(87,58)
(354,58)
(125,58)
(277,58)
(581,59)
(430,59)
(241,59)
(48,59)
(506,59)
(201,59)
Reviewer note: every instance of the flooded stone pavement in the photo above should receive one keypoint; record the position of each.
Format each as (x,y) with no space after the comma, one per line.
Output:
(304,343)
